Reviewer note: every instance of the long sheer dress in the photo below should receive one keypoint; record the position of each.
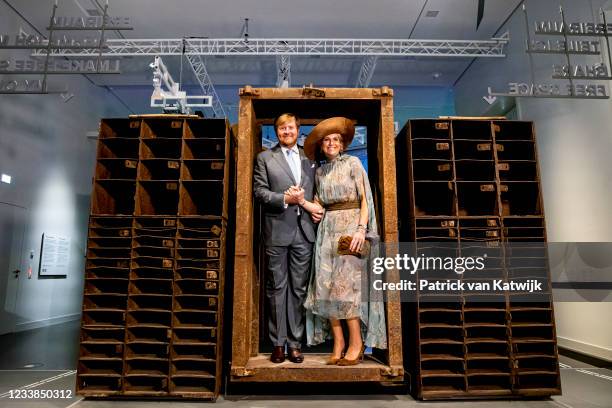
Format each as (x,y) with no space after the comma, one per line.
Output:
(339,285)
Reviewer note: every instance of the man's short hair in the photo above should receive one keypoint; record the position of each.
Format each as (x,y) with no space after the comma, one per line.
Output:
(284,118)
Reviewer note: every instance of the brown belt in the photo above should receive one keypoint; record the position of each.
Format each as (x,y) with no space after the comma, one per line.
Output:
(347,205)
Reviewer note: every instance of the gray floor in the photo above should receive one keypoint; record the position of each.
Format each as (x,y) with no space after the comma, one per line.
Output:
(53,352)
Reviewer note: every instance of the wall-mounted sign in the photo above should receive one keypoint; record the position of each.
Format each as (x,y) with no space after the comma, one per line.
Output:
(578,47)
(90,23)
(57,66)
(568,71)
(20,86)
(54,256)
(582,91)
(50,64)
(598,72)
(580,29)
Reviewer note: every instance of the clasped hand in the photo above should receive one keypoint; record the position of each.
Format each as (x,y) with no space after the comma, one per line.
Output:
(295,195)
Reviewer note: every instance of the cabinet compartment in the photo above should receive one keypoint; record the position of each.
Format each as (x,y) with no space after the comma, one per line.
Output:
(475,170)
(103,317)
(92,384)
(121,169)
(513,130)
(113,197)
(201,198)
(100,366)
(194,319)
(168,149)
(104,301)
(101,335)
(428,170)
(159,169)
(118,148)
(119,128)
(203,149)
(149,318)
(146,366)
(520,198)
(162,128)
(101,350)
(157,198)
(138,384)
(147,334)
(434,198)
(431,129)
(202,170)
(473,150)
(472,129)
(185,384)
(476,198)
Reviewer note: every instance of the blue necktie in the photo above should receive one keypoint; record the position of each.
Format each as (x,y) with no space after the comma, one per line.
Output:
(293,165)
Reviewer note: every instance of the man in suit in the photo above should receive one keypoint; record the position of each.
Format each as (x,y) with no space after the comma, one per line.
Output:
(283,181)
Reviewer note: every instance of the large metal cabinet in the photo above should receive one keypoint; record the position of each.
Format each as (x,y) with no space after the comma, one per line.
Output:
(465,184)
(372,108)
(153,300)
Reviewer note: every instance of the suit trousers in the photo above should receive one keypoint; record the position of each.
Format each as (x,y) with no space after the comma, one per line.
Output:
(287,279)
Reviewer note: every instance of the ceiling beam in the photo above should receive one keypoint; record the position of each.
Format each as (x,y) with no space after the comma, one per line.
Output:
(307,47)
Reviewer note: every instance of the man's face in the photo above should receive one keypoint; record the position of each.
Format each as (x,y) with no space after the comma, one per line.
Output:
(287,133)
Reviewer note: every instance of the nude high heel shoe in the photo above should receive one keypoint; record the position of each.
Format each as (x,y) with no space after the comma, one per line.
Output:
(334,360)
(359,359)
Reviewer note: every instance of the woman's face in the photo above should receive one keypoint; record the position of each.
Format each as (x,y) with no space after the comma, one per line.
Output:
(331,145)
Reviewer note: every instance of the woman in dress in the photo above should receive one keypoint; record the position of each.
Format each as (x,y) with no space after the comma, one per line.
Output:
(338,287)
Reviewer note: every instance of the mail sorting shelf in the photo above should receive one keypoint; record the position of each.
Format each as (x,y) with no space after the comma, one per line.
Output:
(198,307)
(473,185)
(104,305)
(152,308)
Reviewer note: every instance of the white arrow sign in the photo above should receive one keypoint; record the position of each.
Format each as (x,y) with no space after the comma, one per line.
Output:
(490,99)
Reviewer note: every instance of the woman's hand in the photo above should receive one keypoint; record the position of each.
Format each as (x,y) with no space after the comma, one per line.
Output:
(317,213)
(357,241)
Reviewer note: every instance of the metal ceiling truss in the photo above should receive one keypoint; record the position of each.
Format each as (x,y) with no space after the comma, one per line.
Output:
(366,71)
(321,47)
(196,62)
(283,71)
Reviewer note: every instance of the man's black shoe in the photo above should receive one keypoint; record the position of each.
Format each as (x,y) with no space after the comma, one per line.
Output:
(295,355)
(278,354)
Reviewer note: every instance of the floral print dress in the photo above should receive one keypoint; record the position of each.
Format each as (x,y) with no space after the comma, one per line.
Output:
(339,284)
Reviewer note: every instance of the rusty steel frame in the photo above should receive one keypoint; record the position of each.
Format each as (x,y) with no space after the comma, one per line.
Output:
(245,336)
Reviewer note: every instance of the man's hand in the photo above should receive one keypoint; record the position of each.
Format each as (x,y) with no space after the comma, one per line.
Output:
(294,195)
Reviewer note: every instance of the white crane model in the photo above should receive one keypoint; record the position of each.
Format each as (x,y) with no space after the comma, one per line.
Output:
(172,100)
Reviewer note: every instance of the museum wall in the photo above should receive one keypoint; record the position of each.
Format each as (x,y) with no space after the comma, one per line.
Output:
(574,144)
(45,148)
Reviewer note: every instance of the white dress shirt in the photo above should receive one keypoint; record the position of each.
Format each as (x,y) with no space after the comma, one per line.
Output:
(294,162)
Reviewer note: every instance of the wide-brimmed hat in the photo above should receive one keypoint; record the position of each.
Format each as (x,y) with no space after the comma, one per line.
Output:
(341,125)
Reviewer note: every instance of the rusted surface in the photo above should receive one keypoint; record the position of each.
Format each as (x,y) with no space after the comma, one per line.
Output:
(243,262)
(500,220)
(153,246)
(247,364)
(388,187)
(313,369)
